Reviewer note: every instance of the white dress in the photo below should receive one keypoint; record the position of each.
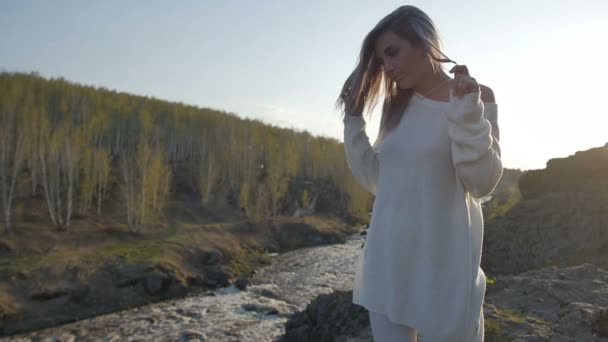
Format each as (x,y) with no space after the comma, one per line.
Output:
(420,265)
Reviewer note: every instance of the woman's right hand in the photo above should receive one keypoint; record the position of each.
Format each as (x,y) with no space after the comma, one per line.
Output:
(348,94)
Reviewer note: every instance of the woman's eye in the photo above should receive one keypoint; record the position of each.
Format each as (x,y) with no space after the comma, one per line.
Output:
(392,52)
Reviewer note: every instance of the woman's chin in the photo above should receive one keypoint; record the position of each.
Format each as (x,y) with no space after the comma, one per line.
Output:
(403,85)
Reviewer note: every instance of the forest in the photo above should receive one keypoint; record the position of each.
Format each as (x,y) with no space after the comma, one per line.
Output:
(89,152)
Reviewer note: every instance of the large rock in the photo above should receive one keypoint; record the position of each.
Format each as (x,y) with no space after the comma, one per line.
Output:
(292,235)
(325,197)
(241,283)
(549,304)
(560,229)
(585,171)
(6,248)
(215,276)
(214,258)
(329,317)
(57,295)
(154,282)
(561,220)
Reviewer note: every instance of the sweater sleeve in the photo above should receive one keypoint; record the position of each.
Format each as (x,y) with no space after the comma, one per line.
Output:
(361,157)
(474,133)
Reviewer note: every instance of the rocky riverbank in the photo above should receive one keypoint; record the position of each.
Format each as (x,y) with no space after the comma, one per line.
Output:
(549,304)
(65,286)
(306,295)
(253,309)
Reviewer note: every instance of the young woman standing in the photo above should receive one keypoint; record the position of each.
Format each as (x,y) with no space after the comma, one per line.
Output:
(437,154)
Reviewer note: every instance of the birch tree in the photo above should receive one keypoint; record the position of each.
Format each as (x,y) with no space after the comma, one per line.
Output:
(12,152)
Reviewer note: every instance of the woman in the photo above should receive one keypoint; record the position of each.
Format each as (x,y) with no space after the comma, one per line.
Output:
(436,156)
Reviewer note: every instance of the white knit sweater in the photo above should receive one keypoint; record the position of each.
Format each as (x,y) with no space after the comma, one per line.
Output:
(420,265)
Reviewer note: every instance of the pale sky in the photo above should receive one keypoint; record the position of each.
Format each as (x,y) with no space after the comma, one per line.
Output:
(284,61)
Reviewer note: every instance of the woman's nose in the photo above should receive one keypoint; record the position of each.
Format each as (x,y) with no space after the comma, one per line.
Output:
(390,70)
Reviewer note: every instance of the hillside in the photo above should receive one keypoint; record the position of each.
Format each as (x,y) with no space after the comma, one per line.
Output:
(91,152)
(561,219)
(114,200)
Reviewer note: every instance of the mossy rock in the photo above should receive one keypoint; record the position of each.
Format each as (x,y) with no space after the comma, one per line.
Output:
(494,331)
(600,325)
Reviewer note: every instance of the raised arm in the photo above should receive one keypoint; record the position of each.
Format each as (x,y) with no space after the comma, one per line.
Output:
(474,132)
(361,157)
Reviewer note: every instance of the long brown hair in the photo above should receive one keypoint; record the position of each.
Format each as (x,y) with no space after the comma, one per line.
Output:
(363,89)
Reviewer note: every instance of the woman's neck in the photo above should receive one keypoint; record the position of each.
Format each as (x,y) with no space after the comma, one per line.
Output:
(433,86)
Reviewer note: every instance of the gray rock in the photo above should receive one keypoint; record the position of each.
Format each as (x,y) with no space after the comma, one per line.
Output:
(214,257)
(550,304)
(328,317)
(571,300)
(6,248)
(269,293)
(192,335)
(215,276)
(563,229)
(600,324)
(265,309)
(242,283)
(153,283)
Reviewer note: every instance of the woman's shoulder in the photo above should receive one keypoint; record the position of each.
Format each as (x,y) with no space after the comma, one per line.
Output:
(487,94)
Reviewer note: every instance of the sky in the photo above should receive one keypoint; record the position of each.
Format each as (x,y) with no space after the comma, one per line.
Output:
(284,62)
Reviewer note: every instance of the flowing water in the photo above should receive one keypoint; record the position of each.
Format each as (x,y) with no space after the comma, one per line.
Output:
(278,290)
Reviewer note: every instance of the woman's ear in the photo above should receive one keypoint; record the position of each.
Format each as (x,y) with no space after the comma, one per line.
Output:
(424,54)
(421,51)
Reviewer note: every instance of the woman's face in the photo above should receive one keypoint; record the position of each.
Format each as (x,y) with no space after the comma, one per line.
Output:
(403,62)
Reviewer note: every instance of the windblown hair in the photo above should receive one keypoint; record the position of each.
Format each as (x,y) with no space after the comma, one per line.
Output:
(368,82)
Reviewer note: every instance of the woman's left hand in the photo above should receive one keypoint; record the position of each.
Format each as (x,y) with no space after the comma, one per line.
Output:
(463,83)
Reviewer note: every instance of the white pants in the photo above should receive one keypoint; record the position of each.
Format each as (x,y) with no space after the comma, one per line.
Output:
(383,330)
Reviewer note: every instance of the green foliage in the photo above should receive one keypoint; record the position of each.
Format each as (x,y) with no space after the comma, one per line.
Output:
(305,199)
(494,331)
(600,325)
(501,203)
(80,142)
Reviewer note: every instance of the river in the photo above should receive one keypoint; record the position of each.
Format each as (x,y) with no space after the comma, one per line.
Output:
(278,290)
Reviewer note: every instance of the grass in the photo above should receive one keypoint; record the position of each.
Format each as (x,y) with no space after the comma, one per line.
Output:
(511,315)
(42,259)
(502,202)
(146,249)
(132,251)
(242,251)
(518,317)
(495,331)
(600,325)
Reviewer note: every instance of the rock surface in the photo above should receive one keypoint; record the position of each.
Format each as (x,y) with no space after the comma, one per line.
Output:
(550,304)
(306,295)
(561,229)
(585,171)
(257,313)
(328,318)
